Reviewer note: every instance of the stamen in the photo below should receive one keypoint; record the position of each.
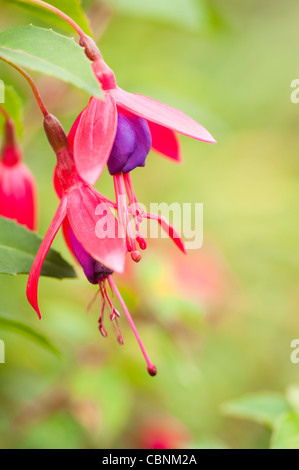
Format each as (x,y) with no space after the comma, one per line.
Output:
(121,208)
(91,303)
(136,256)
(101,319)
(141,242)
(113,317)
(150,366)
(136,211)
(124,216)
(113,309)
(117,330)
(103,331)
(129,188)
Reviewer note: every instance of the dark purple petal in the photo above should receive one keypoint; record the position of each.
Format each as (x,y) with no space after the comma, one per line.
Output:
(83,257)
(143,144)
(131,146)
(100,271)
(93,270)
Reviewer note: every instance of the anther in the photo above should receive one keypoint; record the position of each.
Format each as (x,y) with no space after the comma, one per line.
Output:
(152,370)
(141,242)
(103,331)
(136,256)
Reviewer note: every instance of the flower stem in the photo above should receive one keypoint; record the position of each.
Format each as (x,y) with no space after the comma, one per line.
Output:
(59,13)
(91,50)
(4,113)
(31,83)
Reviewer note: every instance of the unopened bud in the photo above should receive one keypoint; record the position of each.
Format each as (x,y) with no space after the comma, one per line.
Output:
(10,154)
(10,133)
(55,133)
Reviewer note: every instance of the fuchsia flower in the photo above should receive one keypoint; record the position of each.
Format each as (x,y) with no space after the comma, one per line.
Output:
(78,204)
(120,132)
(96,127)
(18,193)
(99,257)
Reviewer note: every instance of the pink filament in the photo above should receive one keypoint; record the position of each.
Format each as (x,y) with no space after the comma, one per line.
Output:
(138,217)
(150,366)
(123,214)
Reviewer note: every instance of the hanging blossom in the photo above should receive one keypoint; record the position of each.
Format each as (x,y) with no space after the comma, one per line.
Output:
(131,146)
(97,125)
(18,192)
(98,256)
(120,132)
(79,204)
(97,247)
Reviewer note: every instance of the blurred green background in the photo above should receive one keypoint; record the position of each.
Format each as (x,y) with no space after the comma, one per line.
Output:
(218,323)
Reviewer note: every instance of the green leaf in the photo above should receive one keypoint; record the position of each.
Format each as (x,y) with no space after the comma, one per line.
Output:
(50,53)
(72,8)
(10,323)
(13,105)
(18,248)
(264,408)
(286,433)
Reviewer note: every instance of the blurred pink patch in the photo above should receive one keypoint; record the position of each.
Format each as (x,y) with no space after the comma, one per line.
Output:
(163,433)
(202,276)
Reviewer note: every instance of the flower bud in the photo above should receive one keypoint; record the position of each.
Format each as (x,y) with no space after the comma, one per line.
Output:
(18,193)
(55,133)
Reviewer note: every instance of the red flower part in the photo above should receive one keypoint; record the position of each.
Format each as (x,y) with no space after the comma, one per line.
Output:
(161,114)
(152,370)
(81,204)
(32,285)
(127,206)
(97,273)
(92,137)
(169,229)
(165,141)
(18,192)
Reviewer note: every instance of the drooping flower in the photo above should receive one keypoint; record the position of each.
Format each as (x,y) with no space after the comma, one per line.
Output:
(119,132)
(93,147)
(130,149)
(79,204)
(98,274)
(18,192)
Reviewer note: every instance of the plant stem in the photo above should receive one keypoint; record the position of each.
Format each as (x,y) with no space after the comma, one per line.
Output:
(31,83)
(59,13)
(4,113)
(90,47)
